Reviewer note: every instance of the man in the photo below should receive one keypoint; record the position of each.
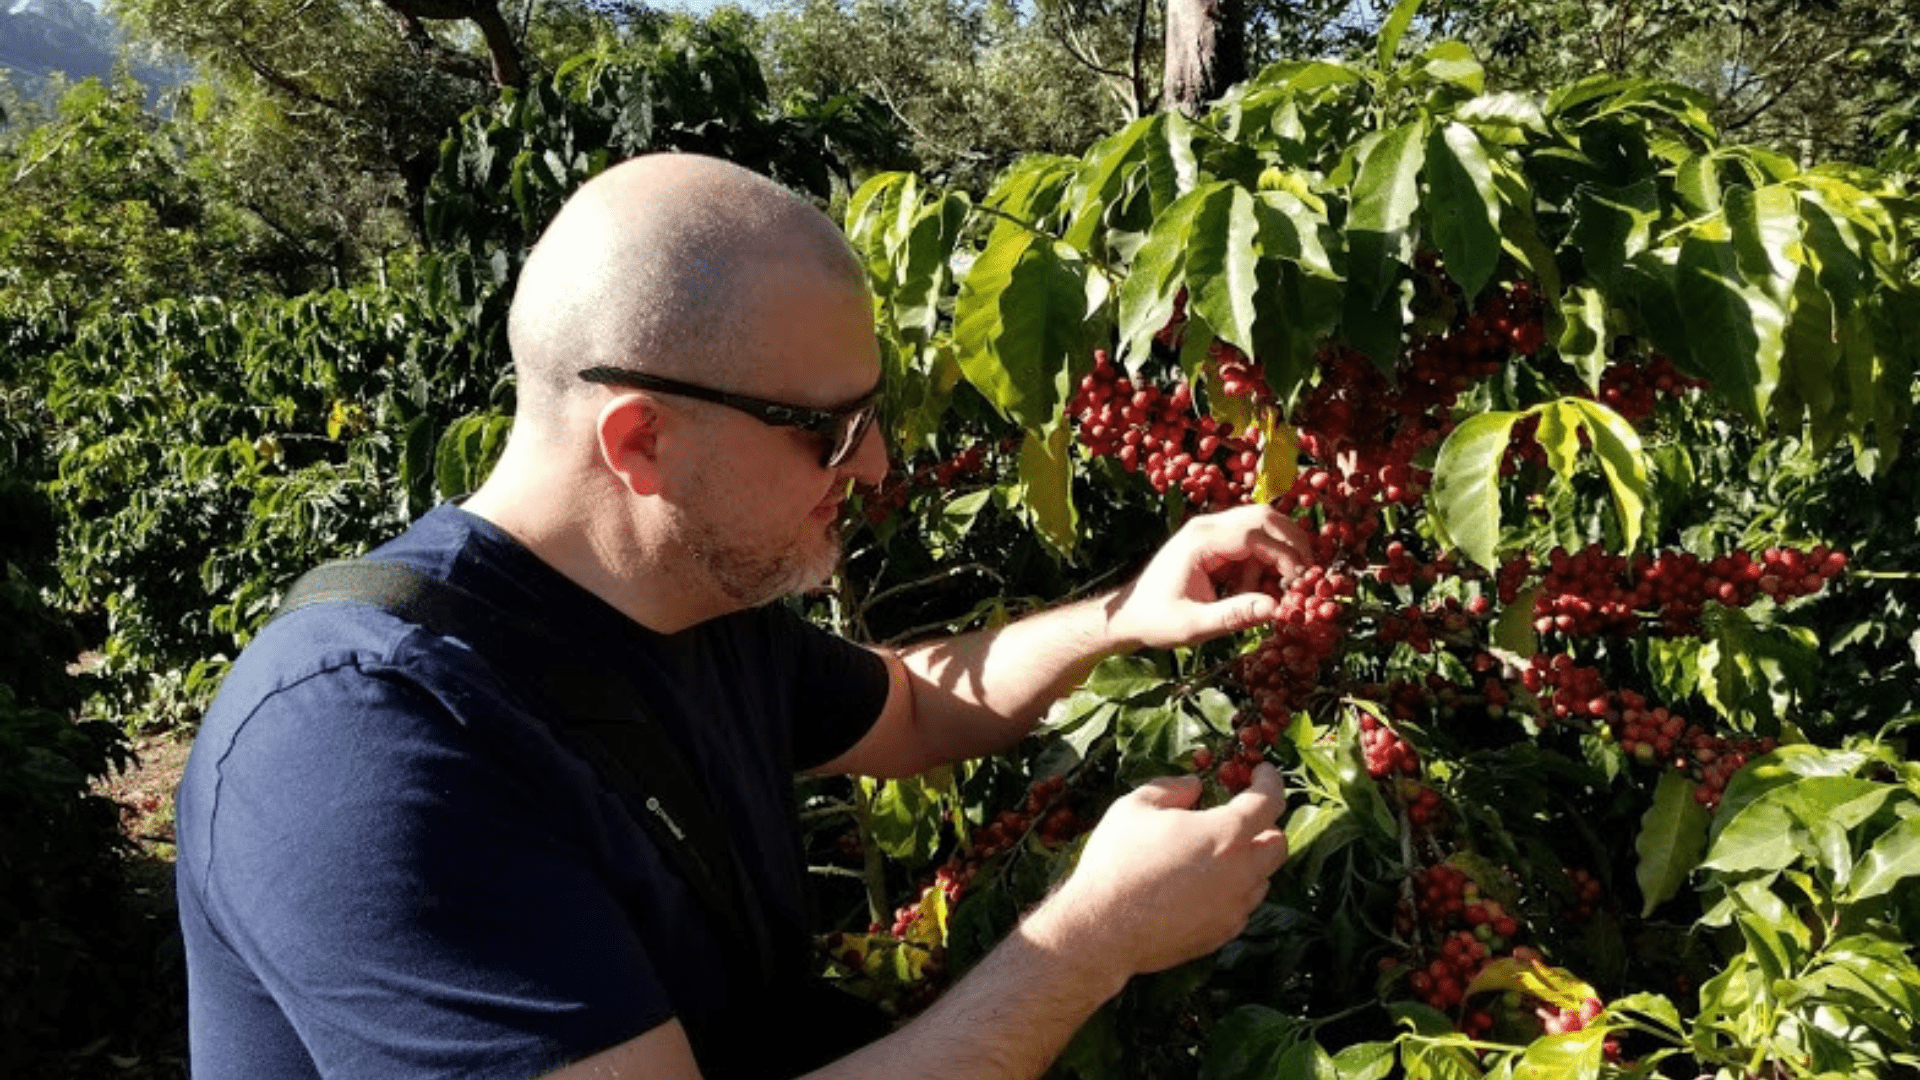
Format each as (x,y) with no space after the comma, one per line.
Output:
(389,864)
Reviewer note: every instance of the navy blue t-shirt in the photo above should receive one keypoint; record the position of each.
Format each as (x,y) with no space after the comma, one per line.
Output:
(390,868)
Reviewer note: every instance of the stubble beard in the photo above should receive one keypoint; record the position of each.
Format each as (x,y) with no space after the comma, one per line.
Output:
(752,577)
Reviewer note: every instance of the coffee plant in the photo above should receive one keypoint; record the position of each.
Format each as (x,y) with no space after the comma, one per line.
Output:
(1597,425)
(69,942)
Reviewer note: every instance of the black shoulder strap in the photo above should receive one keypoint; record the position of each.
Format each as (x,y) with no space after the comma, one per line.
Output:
(602,717)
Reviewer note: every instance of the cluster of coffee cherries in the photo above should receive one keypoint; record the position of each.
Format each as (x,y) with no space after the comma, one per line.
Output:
(1280,672)
(1384,751)
(1587,894)
(1472,930)
(1155,432)
(1043,812)
(1426,810)
(1420,626)
(1593,592)
(1650,734)
(968,464)
(1633,388)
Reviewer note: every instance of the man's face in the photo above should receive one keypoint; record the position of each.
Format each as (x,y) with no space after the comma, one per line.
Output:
(760,515)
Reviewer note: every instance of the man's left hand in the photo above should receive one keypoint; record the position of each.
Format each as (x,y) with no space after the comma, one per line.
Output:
(1204,581)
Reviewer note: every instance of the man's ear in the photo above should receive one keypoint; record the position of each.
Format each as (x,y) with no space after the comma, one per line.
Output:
(630,428)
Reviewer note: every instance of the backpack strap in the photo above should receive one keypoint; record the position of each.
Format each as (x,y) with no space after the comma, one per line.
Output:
(602,718)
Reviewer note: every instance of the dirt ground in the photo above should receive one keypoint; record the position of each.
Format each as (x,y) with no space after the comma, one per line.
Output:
(145,792)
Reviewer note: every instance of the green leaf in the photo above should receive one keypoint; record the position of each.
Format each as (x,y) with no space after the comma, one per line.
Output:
(1672,835)
(871,215)
(1153,281)
(1466,484)
(1027,193)
(467,452)
(1811,355)
(1652,1006)
(1735,331)
(1514,630)
(1308,825)
(1766,235)
(1123,678)
(1879,370)
(1157,738)
(1046,485)
(1784,766)
(1612,225)
(1583,334)
(1765,945)
(1555,986)
(1364,1061)
(901,818)
(1221,260)
(1573,1055)
(1291,230)
(1244,1044)
(1443,1061)
(1894,857)
(1386,192)
(921,266)
(1375,328)
(1697,182)
(1617,446)
(1755,838)
(1396,26)
(1020,323)
(1833,249)
(1758,672)
(1518,229)
(958,514)
(1453,63)
(1558,434)
(1106,176)
(1464,205)
(1503,110)
(1172,168)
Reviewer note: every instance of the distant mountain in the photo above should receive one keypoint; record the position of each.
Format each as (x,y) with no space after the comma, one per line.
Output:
(39,38)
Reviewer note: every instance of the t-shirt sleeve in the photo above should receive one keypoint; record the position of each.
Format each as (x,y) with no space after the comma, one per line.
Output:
(415,907)
(839,688)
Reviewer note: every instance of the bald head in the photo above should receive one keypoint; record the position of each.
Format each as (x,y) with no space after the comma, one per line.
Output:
(656,264)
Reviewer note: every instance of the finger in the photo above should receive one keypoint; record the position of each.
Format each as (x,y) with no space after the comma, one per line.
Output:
(1259,806)
(1262,548)
(1168,792)
(1251,571)
(1296,551)
(1234,614)
(1286,544)
(1270,848)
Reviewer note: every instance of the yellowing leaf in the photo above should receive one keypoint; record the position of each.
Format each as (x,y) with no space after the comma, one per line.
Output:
(1046,483)
(1555,986)
(1279,458)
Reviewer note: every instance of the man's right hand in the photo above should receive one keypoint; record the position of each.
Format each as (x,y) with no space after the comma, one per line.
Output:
(1160,883)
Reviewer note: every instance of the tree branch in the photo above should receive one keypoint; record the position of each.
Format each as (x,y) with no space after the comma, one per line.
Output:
(485,14)
(425,46)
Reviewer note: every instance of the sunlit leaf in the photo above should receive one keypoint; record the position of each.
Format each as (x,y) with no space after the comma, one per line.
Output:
(1672,836)
(1464,206)
(1466,484)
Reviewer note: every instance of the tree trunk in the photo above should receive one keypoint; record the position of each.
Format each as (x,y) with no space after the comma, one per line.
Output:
(1206,52)
(503,49)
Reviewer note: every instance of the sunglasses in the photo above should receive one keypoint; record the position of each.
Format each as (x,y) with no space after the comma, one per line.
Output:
(840,430)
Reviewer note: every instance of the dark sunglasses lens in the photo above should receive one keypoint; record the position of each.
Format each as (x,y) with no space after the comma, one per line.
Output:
(847,435)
